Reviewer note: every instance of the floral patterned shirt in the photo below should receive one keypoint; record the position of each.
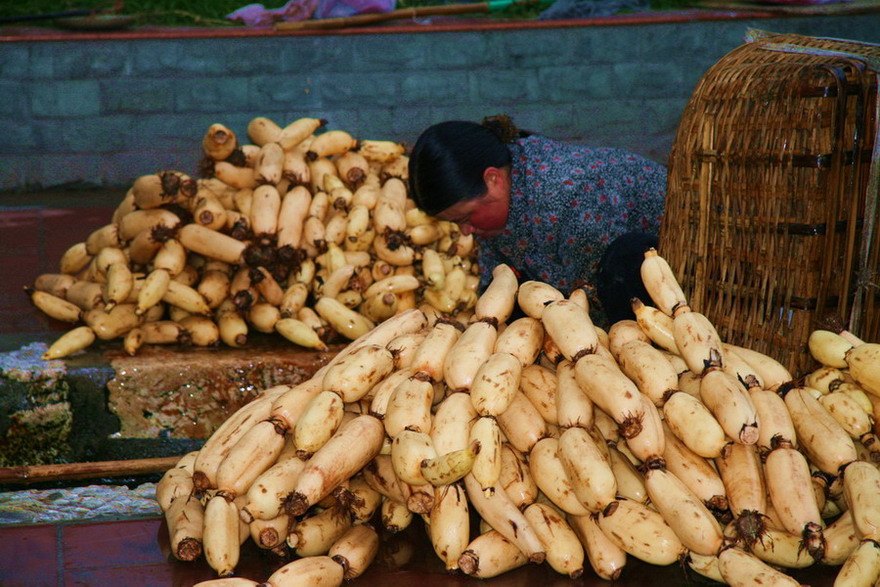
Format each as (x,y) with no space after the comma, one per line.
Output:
(568,202)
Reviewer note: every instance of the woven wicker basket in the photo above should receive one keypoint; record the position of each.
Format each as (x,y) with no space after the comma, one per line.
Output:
(771,216)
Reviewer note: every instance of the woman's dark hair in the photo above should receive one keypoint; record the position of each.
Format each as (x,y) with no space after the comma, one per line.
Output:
(619,275)
(448,160)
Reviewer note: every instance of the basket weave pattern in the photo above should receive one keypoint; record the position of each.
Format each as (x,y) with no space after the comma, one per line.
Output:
(770,218)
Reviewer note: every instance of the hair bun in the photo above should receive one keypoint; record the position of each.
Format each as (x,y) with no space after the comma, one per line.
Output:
(502,125)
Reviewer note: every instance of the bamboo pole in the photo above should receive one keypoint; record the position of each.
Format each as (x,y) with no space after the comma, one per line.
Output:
(364,19)
(69,471)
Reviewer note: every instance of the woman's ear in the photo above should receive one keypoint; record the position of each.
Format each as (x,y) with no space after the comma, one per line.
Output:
(497,180)
(492,176)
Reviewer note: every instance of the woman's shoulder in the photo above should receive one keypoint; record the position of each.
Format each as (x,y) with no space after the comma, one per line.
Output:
(538,142)
(539,151)
(537,146)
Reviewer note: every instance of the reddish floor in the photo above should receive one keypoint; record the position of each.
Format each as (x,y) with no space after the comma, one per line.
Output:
(135,552)
(35,230)
(117,553)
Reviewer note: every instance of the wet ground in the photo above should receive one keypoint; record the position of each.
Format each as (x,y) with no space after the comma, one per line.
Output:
(135,552)
(35,230)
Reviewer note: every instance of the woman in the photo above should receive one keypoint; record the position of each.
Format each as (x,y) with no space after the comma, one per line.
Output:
(547,209)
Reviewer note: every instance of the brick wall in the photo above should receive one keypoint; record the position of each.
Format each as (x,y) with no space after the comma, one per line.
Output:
(106,111)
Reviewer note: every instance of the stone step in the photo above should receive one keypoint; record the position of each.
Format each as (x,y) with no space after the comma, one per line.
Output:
(102,404)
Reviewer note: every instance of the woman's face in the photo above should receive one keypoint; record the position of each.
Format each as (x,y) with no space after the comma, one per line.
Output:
(484,215)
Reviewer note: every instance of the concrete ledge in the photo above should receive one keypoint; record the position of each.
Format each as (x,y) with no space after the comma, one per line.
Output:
(105,405)
(174,393)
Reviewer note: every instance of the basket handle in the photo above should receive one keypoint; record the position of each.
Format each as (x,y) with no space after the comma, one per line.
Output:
(866,277)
